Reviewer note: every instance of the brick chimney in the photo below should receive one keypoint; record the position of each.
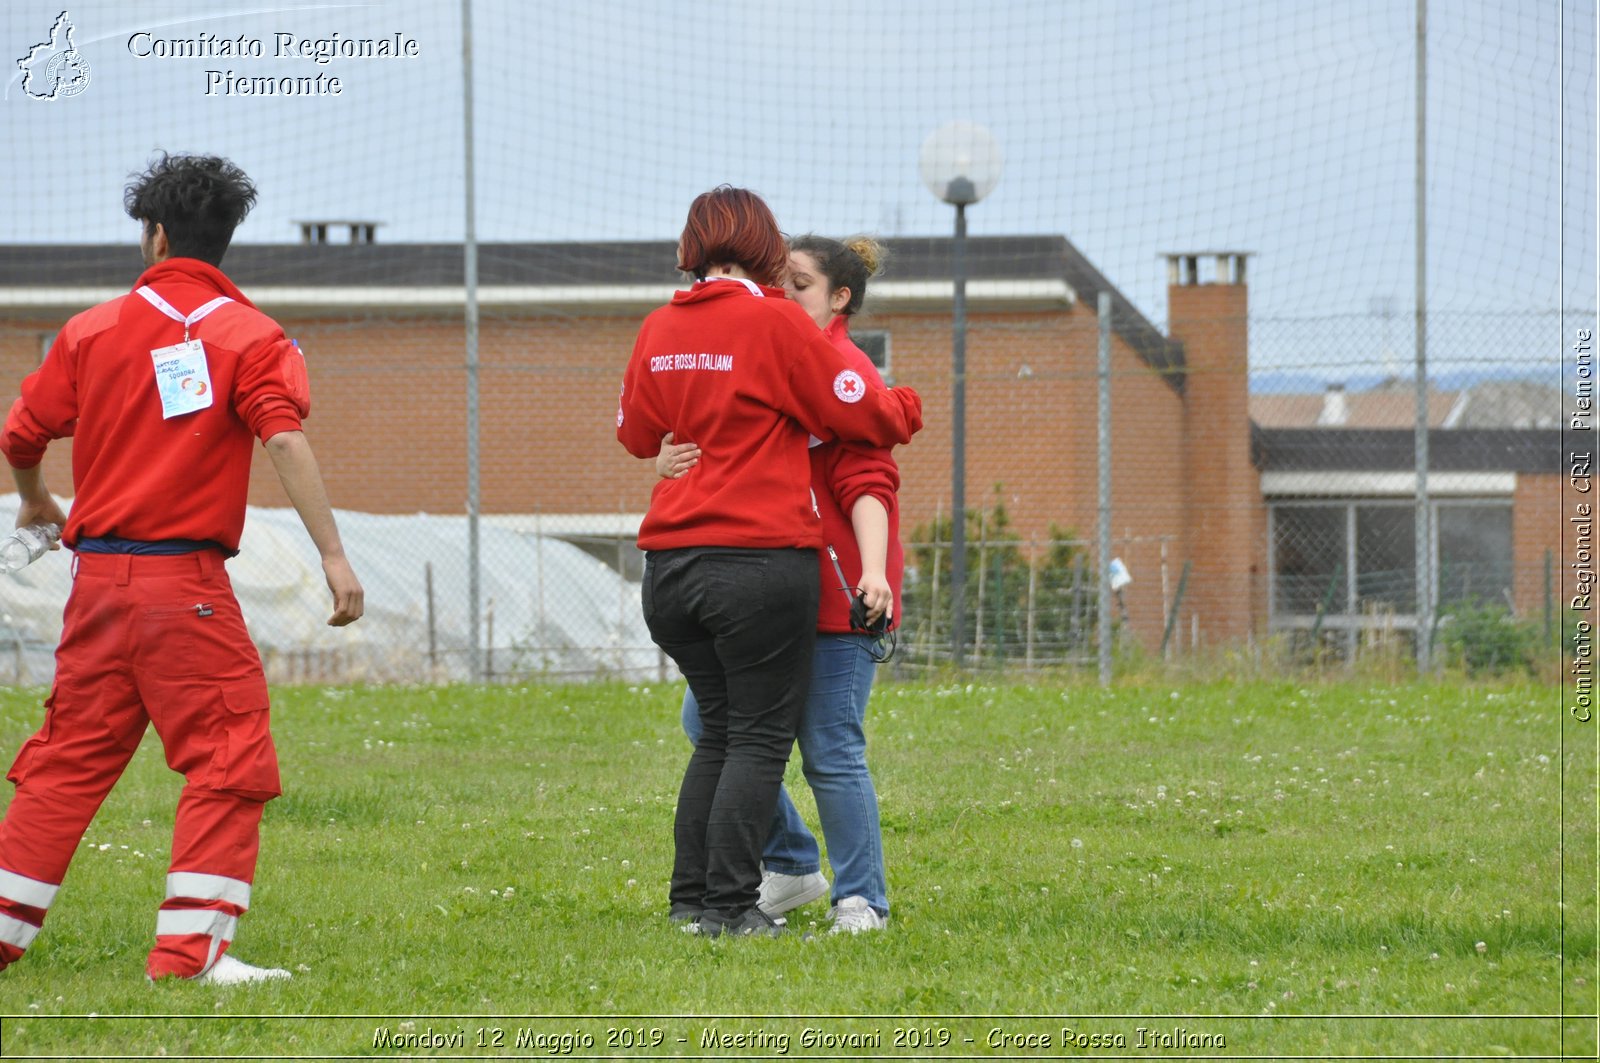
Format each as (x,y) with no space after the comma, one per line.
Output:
(1226,525)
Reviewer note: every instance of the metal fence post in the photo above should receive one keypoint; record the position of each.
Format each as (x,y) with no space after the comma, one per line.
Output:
(1424,538)
(958,449)
(1103,554)
(470,281)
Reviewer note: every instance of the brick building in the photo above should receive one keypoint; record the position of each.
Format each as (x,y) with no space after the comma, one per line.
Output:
(382,329)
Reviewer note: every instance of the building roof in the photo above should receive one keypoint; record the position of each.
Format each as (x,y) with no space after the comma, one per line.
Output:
(1522,450)
(1378,408)
(1392,404)
(1002,271)
(1514,404)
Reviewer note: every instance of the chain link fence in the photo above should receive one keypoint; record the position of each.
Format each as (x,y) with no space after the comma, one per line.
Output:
(1263,400)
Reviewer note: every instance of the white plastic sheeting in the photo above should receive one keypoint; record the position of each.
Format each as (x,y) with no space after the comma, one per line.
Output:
(555,610)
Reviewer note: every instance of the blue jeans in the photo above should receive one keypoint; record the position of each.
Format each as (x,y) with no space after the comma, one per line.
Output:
(833,751)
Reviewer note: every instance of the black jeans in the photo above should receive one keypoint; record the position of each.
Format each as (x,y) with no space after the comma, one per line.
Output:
(741,625)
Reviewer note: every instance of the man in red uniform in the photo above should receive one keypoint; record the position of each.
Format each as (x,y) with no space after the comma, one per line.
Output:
(165,391)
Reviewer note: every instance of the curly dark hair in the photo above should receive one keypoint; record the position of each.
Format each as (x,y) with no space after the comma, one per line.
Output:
(846,263)
(198,199)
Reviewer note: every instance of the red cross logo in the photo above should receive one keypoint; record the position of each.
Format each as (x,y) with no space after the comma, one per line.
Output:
(849,387)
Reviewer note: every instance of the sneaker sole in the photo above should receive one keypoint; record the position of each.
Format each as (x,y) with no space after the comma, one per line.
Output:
(717,929)
(789,904)
(719,932)
(851,931)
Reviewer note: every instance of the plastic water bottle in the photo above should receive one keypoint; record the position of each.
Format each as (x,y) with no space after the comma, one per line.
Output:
(26,545)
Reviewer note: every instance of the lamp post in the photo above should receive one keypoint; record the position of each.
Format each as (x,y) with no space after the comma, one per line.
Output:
(960,163)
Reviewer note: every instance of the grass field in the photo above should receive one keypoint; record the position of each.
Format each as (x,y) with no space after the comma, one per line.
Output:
(1313,871)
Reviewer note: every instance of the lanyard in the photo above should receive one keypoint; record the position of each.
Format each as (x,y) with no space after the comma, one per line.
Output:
(167,308)
(755,289)
(884,641)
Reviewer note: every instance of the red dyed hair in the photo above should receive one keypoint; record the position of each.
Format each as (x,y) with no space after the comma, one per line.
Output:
(733,226)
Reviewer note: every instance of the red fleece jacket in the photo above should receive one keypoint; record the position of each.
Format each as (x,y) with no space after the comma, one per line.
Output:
(744,373)
(135,475)
(842,474)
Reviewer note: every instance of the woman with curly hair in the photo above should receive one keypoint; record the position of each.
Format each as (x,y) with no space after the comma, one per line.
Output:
(855,487)
(730,589)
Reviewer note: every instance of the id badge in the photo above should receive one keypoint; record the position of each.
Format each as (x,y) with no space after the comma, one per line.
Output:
(182,378)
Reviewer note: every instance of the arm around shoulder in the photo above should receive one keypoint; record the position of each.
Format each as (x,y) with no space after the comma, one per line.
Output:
(639,427)
(834,401)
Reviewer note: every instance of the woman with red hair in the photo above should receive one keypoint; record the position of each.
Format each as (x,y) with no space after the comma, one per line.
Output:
(856,489)
(730,586)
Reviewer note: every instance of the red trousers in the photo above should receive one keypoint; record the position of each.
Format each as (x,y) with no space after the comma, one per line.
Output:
(147,640)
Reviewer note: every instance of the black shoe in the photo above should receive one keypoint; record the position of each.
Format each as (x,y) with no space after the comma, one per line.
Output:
(752,922)
(686,917)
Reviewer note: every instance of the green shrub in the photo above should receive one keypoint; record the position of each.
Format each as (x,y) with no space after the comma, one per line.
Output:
(1485,639)
(1051,601)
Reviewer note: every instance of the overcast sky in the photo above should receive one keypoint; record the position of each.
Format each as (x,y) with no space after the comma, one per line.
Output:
(1278,127)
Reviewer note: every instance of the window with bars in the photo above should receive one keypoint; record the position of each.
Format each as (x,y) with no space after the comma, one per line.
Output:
(875,344)
(1358,556)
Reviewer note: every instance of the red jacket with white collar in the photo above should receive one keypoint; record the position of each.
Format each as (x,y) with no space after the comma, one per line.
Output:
(841,475)
(136,475)
(743,372)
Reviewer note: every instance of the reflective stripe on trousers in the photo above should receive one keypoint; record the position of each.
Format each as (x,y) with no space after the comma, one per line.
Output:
(200,905)
(23,904)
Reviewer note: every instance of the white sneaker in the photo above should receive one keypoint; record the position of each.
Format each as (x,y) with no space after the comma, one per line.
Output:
(229,971)
(852,915)
(781,893)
